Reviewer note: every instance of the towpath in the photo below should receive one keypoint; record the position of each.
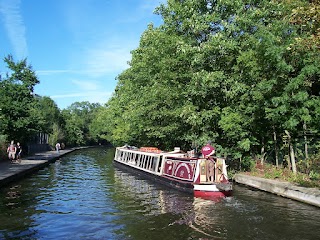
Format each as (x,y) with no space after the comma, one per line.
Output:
(10,172)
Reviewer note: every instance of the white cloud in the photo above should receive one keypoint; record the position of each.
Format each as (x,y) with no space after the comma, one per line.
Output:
(65,100)
(100,61)
(93,96)
(50,72)
(149,6)
(93,68)
(86,85)
(13,21)
(82,94)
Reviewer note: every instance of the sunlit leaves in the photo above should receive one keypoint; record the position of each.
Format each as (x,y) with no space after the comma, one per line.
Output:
(18,118)
(230,71)
(77,120)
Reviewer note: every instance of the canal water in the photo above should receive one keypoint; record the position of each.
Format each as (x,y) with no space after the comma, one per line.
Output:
(83,196)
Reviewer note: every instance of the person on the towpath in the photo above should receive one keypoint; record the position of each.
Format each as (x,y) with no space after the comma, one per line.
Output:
(58,147)
(19,151)
(11,150)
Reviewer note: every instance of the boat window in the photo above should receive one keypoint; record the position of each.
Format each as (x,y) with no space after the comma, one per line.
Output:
(147,163)
(126,156)
(143,161)
(153,163)
(159,164)
(139,160)
(121,156)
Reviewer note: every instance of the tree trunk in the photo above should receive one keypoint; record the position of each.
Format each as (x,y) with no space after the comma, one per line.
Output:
(275,147)
(291,153)
(262,152)
(288,160)
(305,140)
(293,159)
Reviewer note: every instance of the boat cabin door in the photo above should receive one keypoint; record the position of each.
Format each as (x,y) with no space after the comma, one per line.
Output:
(203,171)
(207,171)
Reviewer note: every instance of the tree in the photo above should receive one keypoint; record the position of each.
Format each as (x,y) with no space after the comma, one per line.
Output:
(230,71)
(77,119)
(18,120)
(51,119)
(49,112)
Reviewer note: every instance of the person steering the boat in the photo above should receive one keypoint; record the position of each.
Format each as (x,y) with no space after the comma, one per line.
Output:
(208,150)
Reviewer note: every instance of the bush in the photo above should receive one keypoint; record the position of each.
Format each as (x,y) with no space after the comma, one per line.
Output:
(3,147)
(312,179)
(247,164)
(314,175)
(310,165)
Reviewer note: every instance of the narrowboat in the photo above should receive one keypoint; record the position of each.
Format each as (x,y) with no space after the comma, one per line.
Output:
(204,176)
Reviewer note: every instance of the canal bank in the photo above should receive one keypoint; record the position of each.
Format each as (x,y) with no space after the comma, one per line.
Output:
(10,172)
(285,189)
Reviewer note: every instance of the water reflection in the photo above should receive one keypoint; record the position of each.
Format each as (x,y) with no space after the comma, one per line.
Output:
(184,210)
(59,200)
(249,214)
(161,200)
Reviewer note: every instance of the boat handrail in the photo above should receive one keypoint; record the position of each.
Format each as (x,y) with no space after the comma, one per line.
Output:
(172,153)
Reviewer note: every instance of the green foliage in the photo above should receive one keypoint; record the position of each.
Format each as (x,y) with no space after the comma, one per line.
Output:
(76,123)
(56,135)
(49,113)
(18,120)
(3,147)
(310,166)
(312,179)
(24,114)
(247,164)
(314,175)
(233,72)
(271,172)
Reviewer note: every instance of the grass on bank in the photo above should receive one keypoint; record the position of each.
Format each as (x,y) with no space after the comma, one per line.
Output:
(308,172)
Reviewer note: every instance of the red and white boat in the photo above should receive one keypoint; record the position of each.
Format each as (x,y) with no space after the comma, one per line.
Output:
(204,177)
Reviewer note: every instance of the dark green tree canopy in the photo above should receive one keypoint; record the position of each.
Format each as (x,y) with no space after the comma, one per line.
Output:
(18,119)
(77,120)
(234,72)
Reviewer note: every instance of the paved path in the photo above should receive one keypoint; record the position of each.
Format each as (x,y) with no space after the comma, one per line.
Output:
(10,172)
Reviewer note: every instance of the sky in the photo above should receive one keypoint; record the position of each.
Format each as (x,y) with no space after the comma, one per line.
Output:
(76,47)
